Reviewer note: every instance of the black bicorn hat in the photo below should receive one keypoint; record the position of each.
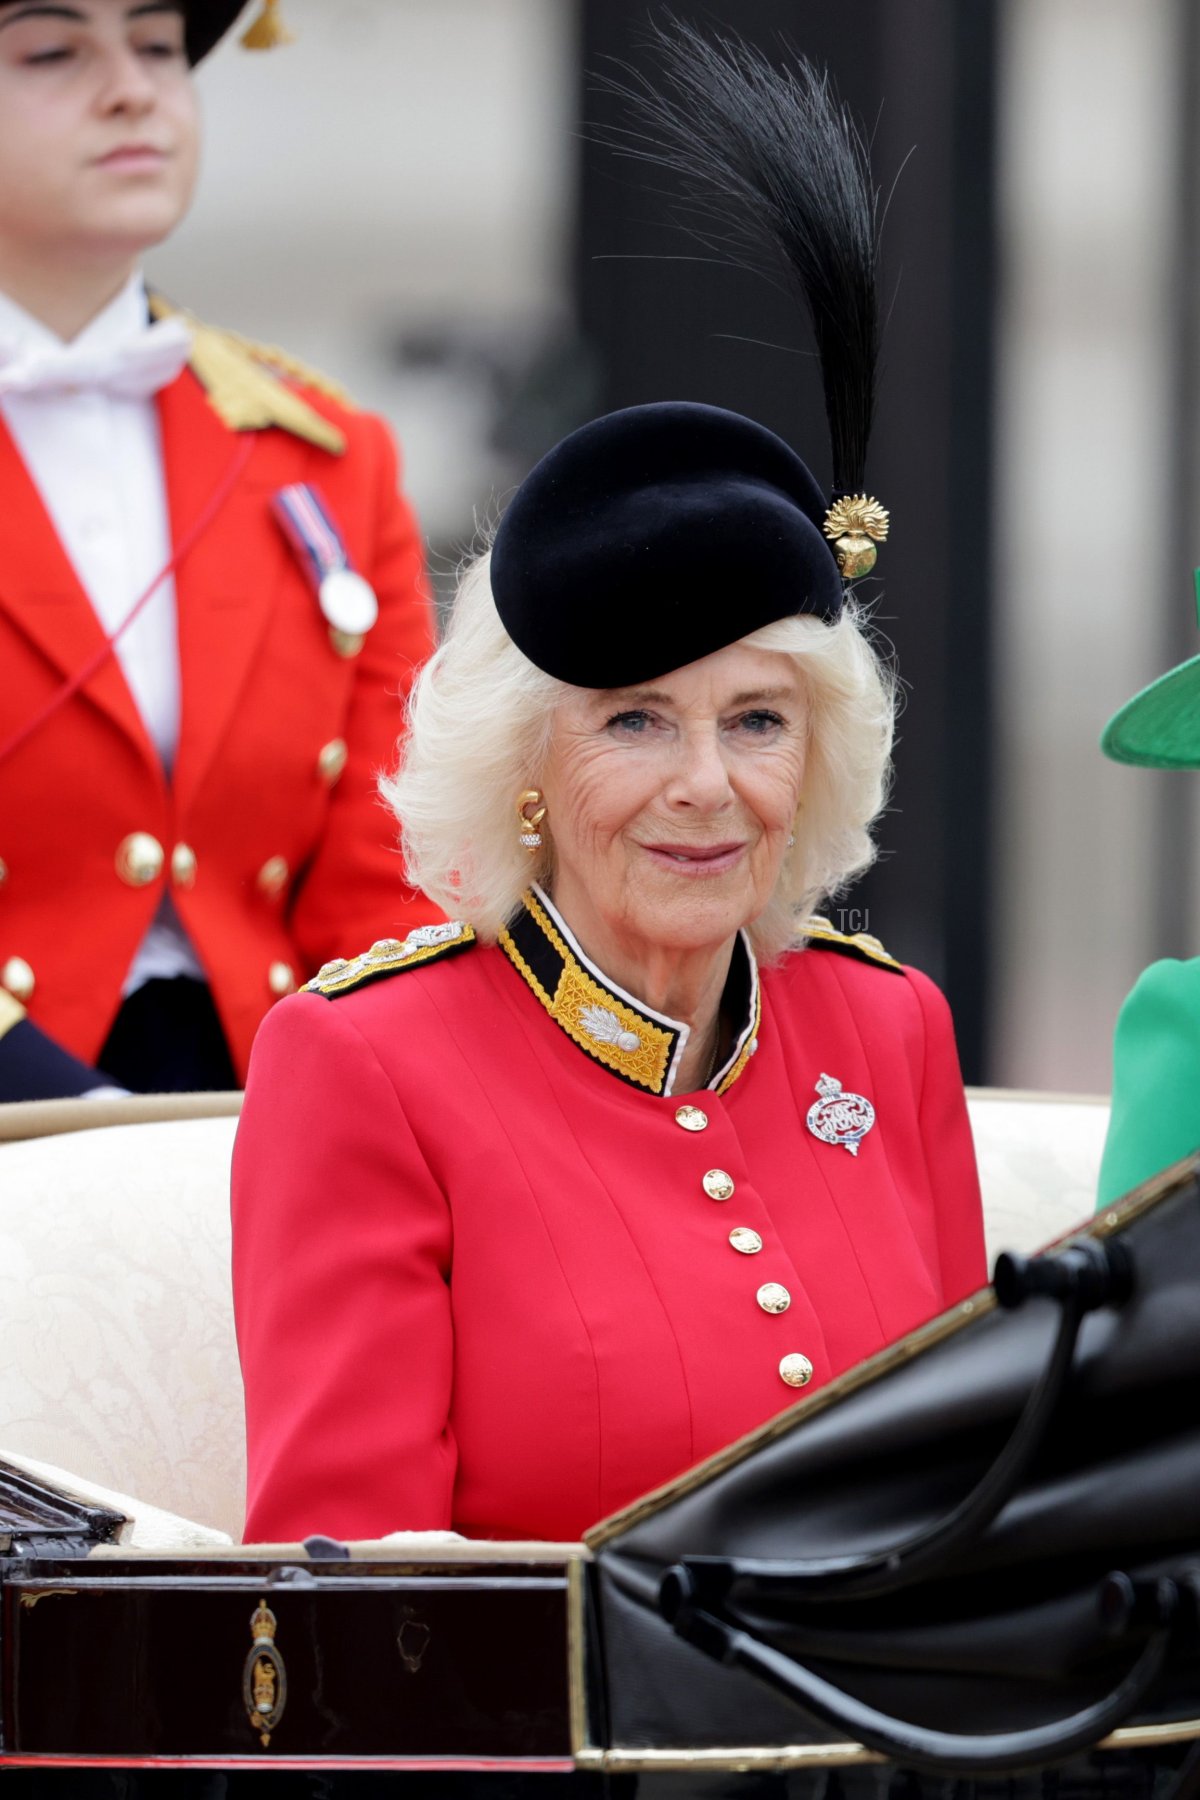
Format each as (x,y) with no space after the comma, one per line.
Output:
(658,534)
(207,21)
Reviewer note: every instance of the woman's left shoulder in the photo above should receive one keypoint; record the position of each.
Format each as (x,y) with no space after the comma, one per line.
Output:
(818,933)
(862,967)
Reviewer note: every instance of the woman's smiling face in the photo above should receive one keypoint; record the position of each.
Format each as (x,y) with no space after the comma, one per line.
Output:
(670,804)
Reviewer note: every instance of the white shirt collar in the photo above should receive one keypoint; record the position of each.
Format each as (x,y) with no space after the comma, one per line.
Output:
(126,314)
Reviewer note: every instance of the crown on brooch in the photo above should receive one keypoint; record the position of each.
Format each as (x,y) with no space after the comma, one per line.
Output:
(852,522)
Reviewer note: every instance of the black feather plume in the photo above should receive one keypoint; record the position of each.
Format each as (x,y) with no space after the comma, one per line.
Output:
(768,154)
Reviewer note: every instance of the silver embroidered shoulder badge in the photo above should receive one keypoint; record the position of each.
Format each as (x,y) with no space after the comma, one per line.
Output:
(424,944)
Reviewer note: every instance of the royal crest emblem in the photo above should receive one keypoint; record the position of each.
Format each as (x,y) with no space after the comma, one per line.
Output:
(838,1117)
(264,1678)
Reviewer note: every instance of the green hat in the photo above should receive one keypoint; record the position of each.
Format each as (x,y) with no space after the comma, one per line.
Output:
(1160,727)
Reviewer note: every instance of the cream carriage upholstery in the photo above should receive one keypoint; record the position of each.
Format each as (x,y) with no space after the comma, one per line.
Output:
(117,1352)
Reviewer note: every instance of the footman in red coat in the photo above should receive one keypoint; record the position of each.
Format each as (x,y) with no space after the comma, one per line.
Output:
(188,815)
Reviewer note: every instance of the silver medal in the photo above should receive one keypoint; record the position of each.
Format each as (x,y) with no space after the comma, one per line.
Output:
(348,602)
(838,1117)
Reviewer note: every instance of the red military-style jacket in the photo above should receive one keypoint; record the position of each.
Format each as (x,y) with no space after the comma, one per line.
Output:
(491,1273)
(269,834)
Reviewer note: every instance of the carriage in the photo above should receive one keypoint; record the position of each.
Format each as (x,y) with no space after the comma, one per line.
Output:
(974,1558)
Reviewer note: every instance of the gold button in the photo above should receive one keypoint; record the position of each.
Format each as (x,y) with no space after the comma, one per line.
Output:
(3,871)
(18,978)
(281,979)
(273,877)
(139,859)
(718,1185)
(745,1240)
(691,1118)
(346,643)
(183,866)
(331,759)
(773,1297)
(796,1370)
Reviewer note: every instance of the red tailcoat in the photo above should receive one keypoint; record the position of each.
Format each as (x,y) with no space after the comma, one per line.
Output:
(263,693)
(480,1281)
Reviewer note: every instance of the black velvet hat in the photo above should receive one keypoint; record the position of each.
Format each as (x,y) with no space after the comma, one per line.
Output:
(656,535)
(653,536)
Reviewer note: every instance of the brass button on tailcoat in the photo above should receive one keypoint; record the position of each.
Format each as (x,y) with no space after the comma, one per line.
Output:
(796,1370)
(273,877)
(18,978)
(691,1118)
(281,979)
(183,866)
(139,859)
(718,1185)
(745,1240)
(3,871)
(773,1298)
(331,760)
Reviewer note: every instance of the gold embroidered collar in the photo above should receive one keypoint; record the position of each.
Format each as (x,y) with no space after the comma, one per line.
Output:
(630,1039)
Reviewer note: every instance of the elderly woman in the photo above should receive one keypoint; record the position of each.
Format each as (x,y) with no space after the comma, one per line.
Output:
(533,1210)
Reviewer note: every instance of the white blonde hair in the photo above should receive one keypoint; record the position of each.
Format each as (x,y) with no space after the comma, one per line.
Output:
(480,719)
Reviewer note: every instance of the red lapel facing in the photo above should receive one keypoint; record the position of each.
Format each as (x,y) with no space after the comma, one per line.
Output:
(226,585)
(42,593)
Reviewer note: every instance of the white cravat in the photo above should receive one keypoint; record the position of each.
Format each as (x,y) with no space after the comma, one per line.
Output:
(133,368)
(83,416)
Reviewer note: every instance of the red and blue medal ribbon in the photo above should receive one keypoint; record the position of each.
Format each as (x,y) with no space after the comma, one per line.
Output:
(347,601)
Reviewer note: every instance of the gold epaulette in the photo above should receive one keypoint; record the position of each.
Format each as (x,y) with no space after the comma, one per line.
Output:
(294,367)
(245,386)
(425,944)
(861,944)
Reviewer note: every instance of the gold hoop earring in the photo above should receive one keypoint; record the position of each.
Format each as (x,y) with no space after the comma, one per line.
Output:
(530,813)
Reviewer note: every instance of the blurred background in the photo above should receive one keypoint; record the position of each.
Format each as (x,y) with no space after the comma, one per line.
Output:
(413,196)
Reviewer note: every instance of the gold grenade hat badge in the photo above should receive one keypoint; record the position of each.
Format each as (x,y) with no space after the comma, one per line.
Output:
(856,523)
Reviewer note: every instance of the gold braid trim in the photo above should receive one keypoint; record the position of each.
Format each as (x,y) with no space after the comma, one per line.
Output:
(740,1065)
(388,957)
(576,991)
(862,944)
